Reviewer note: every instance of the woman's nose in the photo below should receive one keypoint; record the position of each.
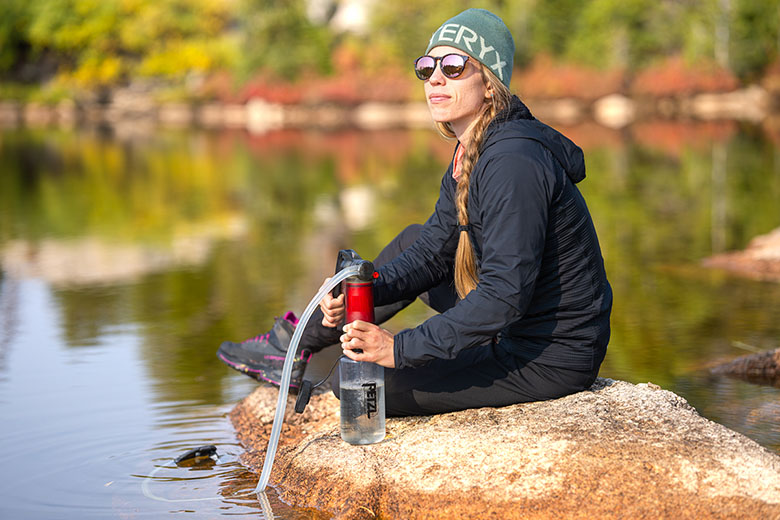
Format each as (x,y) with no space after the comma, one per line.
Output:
(437,78)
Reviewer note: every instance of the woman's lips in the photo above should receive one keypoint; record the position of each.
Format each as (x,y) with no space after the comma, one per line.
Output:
(438,98)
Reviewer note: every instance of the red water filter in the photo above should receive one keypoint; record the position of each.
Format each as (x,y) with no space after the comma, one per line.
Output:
(358,289)
(359,299)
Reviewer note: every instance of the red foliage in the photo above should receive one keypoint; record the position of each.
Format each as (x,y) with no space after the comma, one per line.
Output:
(672,77)
(352,84)
(349,85)
(272,90)
(342,89)
(547,79)
(673,137)
(218,86)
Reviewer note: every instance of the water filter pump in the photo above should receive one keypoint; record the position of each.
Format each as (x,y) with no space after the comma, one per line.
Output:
(361,384)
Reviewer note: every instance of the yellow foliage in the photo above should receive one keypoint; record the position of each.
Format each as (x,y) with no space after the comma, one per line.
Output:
(99,70)
(176,57)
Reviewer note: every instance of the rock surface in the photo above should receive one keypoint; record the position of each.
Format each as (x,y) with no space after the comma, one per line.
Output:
(617,450)
(760,368)
(760,260)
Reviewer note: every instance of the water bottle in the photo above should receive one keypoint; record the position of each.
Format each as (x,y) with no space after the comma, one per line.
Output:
(362,396)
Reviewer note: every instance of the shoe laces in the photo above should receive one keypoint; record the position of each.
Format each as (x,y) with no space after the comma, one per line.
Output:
(259,338)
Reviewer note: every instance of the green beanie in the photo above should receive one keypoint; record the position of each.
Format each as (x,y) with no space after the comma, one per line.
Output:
(482,35)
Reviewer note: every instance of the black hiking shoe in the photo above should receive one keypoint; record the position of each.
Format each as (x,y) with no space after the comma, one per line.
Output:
(262,357)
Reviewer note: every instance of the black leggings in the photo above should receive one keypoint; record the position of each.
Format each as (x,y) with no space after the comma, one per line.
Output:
(481,376)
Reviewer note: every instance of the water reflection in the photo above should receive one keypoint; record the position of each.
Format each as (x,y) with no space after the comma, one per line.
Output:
(126,261)
(100,260)
(9,320)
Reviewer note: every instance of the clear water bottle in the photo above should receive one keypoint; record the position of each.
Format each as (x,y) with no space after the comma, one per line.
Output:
(362,396)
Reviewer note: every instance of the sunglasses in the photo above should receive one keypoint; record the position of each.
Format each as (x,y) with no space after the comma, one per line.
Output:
(452,65)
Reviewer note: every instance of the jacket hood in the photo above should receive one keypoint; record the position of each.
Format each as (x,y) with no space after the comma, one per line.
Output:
(516,121)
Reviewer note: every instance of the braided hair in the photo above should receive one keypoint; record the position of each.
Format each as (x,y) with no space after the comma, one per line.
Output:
(498,99)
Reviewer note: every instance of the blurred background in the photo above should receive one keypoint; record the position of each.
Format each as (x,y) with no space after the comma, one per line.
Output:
(175,173)
(153,58)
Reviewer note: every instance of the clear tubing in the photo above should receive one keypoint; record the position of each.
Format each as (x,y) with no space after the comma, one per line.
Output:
(281,403)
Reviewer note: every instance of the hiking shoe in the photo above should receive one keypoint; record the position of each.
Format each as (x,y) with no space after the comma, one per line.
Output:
(262,357)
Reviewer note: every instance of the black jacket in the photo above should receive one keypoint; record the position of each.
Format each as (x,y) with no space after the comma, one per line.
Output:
(543,293)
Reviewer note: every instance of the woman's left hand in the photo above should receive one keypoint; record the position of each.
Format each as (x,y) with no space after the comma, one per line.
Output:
(376,343)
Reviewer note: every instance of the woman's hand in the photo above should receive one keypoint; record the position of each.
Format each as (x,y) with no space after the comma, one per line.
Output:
(333,309)
(376,343)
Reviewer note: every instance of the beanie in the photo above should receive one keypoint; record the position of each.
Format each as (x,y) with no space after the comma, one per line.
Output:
(482,35)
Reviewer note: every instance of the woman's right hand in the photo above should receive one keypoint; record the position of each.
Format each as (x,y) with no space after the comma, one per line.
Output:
(333,309)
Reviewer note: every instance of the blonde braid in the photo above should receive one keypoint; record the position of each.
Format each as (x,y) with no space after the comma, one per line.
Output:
(466,276)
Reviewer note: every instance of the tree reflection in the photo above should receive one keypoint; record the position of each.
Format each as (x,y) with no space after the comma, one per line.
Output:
(217,233)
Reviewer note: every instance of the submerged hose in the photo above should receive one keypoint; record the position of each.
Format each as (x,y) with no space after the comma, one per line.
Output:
(281,403)
(145,489)
(265,504)
(173,464)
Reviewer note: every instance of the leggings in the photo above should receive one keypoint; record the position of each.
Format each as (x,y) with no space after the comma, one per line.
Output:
(481,376)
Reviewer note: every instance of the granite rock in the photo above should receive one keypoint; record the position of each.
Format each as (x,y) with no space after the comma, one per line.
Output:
(617,450)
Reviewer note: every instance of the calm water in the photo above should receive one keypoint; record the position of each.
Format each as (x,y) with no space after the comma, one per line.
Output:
(126,259)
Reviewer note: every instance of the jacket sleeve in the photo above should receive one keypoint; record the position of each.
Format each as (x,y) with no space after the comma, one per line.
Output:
(428,260)
(515,190)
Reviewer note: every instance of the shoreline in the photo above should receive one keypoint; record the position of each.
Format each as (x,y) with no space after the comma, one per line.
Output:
(752,104)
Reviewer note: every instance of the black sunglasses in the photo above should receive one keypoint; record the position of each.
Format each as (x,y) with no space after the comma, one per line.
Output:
(452,65)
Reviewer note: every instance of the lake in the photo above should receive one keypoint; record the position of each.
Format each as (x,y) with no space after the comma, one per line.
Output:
(126,257)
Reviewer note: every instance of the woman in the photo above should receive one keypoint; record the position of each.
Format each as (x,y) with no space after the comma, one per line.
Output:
(530,320)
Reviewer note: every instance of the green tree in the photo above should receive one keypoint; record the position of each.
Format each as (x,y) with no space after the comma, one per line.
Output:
(279,37)
(754,36)
(553,24)
(107,42)
(631,33)
(93,42)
